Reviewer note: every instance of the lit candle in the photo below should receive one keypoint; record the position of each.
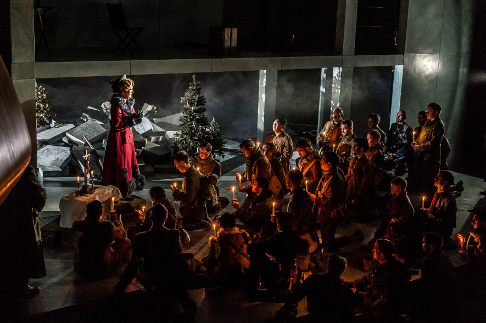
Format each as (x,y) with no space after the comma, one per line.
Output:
(112,204)
(175,185)
(423,202)
(214,229)
(273,209)
(197,169)
(78,184)
(92,179)
(143,211)
(461,240)
(333,146)
(258,143)
(307,186)
(239,177)
(233,188)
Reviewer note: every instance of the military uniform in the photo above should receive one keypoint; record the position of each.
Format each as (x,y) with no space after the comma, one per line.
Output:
(256,212)
(284,148)
(399,142)
(209,166)
(329,205)
(382,133)
(375,154)
(257,165)
(345,151)
(360,183)
(329,137)
(300,206)
(310,167)
(427,155)
(443,209)
(192,208)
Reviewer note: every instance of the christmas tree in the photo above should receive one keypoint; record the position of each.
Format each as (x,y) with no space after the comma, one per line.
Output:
(195,127)
(42,112)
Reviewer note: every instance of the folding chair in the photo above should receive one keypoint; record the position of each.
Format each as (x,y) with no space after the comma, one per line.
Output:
(119,25)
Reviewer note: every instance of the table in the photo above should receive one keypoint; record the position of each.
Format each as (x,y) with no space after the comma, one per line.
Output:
(73,207)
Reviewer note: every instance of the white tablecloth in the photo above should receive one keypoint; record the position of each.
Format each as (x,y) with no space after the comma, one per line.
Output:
(73,207)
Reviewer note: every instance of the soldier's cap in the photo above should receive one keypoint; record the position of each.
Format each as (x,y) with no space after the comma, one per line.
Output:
(284,217)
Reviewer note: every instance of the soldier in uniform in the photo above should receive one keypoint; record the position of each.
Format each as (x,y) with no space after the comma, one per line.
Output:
(330,135)
(359,179)
(398,146)
(257,165)
(427,150)
(373,124)
(278,171)
(207,165)
(309,164)
(282,141)
(345,146)
(193,209)
(374,153)
(300,204)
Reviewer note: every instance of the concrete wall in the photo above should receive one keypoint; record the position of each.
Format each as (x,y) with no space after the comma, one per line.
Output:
(86,23)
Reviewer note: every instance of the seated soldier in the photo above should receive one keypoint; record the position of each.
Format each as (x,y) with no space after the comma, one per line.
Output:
(441,216)
(308,164)
(473,251)
(374,153)
(278,171)
(228,254)
(373,124)
(193,208)
(157,196)
(345,146)
(329,204)
(256,211)
(359,180)
(207,165)
(282,141)
(273,259)
(383,284)
(328,299)
(257,165)
(398,225)
(101,246)
(434,294)
(399,145)
(157,254)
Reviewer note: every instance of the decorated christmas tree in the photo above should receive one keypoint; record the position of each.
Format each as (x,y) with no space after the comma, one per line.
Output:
(195,127)
(42,112)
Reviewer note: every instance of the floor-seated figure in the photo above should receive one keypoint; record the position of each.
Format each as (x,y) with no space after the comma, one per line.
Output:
(257,165)
(328,299)
(207,165)
(359,179)
(399,224)
(101,246)
(383,285)
(308,164)
(228,256)
(473,251)
(441,216)
(345,146)
(273,259)
(398,146)
(157,258)
(284,146)
(256,211)
(434,295)
(193,207)
(278,171)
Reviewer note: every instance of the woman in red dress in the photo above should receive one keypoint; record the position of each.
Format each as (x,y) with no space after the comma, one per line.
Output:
(120,167)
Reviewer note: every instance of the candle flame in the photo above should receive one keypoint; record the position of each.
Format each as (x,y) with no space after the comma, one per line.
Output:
(78,179)
(258,143)
(113,198)
(273,203)
(233,188)
(175,184)
(423,198)
(214,226)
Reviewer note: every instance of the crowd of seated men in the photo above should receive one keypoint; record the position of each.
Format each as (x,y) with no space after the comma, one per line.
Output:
(288,220)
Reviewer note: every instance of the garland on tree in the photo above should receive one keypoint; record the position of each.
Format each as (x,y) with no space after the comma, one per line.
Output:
(195,127)
(42,112)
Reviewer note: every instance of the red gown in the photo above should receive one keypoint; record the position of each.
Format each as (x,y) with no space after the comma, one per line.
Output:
(120,165)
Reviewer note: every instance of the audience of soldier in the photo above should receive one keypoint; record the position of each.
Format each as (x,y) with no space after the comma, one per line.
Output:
(308,164)
(427,150)
(207,165)
(398,146)
(330,135)
(373,124)
(328,299)
(345,146)
(257,165)
(257,209)
(441,216)
(300,204)
(282,141)
(101,246)
(374,153)
(192,207)
(278,172)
